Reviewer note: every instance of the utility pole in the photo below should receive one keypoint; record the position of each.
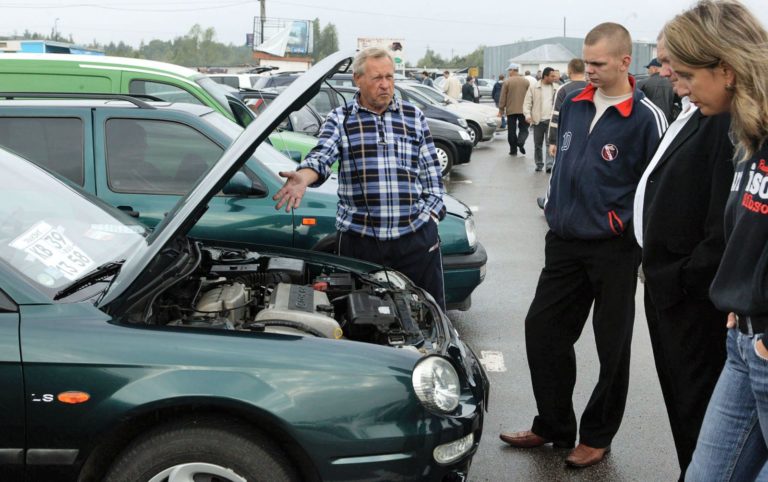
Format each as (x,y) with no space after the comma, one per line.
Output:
(56,29)
(262,16)
(564,27)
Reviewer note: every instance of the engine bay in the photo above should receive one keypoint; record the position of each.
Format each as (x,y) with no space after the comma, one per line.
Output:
(235,289)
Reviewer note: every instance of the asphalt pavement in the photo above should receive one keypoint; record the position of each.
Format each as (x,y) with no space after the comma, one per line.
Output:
(502,191)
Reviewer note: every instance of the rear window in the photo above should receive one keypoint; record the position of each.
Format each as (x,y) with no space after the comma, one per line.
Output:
(56,143)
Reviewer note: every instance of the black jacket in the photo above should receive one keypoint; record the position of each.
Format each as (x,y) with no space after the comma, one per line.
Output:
(659,90)
(741,283)
(685,198)
(468,92)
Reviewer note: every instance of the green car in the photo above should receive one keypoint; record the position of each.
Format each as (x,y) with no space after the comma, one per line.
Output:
(142,157)
(134,355)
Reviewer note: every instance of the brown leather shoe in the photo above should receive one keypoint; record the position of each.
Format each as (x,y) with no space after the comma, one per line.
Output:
(529,440)
(584,456)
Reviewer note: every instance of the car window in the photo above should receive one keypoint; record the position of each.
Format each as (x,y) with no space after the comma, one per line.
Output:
(304,121)
(166,92)
(230,81)
(156,157)
(56,143)
(321,102)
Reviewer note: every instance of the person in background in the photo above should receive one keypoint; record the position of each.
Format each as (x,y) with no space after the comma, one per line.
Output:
(451,86)
(659,89)
(609,133)
(426,80)
(468,90)
(537,108)
(511,104)
(390,188)
(719,52)
(678,221)
(496,95)
(577,82)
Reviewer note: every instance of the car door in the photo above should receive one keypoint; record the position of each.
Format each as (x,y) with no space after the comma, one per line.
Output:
(12,441)
(144,165)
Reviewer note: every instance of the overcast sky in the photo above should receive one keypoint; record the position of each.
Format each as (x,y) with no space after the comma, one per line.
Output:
(447,26)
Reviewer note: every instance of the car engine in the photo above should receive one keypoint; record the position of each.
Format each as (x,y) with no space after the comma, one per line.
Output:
(242,290)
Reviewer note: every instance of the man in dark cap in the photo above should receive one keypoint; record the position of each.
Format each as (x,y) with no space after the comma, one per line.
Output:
(659,90)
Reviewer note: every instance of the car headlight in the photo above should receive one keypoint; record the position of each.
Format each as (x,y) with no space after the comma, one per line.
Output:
(491,121)
(463,122)
(469,226)
(464,135)
(436,384)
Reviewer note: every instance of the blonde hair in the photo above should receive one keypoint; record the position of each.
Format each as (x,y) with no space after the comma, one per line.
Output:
(615,33)
(714,33)
(358,65)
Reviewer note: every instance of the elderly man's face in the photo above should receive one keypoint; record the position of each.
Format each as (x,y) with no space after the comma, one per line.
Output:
(377,84)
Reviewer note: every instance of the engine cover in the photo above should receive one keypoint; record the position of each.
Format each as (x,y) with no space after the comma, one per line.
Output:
(299,303)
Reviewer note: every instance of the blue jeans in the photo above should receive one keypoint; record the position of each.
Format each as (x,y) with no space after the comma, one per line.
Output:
(731,443)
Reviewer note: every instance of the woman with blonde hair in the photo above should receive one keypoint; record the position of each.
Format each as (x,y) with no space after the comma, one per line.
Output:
(719,51)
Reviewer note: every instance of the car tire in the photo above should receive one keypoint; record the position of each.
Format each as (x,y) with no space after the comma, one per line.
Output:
(222,449)
(476,133)
(445,156)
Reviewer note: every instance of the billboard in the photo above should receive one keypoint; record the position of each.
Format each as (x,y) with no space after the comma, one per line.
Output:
(281,36)
(394,45)
(299,40)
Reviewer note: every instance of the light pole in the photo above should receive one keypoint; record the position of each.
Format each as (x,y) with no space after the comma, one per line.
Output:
(56,28)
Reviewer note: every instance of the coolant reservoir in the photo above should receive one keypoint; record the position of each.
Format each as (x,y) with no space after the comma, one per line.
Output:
(298,303)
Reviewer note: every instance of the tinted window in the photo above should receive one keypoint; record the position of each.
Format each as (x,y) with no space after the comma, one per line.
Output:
(231,81)
(157,157)
(54,143)
(321,102)
(166,92)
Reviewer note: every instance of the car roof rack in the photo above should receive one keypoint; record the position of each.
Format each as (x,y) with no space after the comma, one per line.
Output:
(134,99)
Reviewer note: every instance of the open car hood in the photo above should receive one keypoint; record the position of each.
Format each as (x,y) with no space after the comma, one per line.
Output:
(191,207)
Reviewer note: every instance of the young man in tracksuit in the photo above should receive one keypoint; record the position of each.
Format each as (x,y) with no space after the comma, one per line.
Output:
(607,133)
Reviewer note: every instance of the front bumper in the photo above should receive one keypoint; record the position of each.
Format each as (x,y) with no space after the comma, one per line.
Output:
(462,274)
(463,151)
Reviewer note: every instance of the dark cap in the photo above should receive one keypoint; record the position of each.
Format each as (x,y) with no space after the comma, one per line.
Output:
(653,63)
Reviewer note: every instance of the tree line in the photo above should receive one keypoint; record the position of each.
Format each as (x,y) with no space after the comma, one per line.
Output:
(198,48)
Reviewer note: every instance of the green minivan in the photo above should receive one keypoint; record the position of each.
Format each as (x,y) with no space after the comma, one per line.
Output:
(117,75)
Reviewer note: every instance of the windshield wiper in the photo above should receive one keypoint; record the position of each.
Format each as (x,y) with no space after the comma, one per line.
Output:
(98,275)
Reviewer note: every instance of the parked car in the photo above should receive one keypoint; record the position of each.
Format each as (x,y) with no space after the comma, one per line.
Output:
(142,157)
(452,143)
(280,79)
(117,75)
(485,86)
(478,112)
(482,124)
(238,81)
(133,355)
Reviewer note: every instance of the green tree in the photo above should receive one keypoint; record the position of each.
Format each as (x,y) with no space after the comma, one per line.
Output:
(325,41)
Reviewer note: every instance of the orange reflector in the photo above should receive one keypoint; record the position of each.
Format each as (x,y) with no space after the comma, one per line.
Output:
(308,221)
(73,397)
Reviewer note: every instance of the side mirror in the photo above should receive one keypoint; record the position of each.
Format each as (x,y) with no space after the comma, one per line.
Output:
(241,185)
(293,155)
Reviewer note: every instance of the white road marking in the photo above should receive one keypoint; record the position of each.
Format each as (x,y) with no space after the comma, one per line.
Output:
(463,181)
(493,361)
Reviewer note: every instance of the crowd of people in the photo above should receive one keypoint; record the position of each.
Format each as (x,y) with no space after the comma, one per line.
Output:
(665,180)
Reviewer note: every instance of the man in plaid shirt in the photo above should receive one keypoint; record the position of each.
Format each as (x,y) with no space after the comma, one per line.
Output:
(390,188)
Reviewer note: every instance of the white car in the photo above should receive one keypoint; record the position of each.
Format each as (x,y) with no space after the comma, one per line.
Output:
(238,81)
(481,118)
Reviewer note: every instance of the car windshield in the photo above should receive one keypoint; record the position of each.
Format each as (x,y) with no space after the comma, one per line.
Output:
(53,240)
(431,93)
(417,95)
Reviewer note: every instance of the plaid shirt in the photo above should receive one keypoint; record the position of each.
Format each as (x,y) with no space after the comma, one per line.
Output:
(393,155)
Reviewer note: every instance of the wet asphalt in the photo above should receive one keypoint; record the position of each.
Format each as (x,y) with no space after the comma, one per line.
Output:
(502,191)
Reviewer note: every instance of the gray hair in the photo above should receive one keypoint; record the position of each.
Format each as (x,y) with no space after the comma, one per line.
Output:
(358,65)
